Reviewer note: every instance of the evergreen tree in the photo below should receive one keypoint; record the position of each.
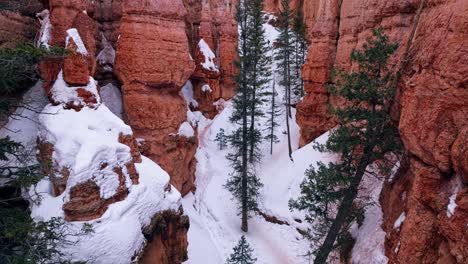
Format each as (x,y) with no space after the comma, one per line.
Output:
(284,56)
(258,74)
(242,253)
(243,183)
(300,49)
(221,138)
(273,114)
(366,134)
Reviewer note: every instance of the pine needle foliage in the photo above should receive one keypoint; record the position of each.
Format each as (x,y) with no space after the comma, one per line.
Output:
(242,253)
(366,134)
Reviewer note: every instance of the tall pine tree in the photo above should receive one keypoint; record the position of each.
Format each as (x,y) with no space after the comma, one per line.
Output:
(272,116)
(284,57)
(243,183)
(242,253)
(300,48)
(366,134)
(259,74)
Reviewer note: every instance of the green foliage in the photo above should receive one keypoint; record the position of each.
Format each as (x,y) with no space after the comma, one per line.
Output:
(273,114)
(25,241)
(18,66)
(366,134)
(253,76)
(222,139)
(300,48)
(242,253)
(284,55)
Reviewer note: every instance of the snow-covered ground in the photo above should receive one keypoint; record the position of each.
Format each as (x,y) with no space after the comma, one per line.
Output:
(215,224)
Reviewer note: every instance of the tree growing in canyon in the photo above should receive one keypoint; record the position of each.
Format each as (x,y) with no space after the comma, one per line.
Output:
(242,253)
(300,48)
(243,183)
(366,134)
(284,57)
(258,74)
(221,138)
(273,114)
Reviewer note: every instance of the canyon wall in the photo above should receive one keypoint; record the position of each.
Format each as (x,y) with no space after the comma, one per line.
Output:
(150,49)
(430,189)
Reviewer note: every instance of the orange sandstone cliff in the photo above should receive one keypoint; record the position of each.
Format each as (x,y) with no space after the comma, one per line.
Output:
(431,187)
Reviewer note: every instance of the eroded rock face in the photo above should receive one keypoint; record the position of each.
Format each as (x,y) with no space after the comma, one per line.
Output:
(215,22)
(16,28)
(167,239)
(432,113)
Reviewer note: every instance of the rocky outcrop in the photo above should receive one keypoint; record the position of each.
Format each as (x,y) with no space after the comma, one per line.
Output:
(153,63)
(167,239)
(431,112)
(16,28)
(215,22)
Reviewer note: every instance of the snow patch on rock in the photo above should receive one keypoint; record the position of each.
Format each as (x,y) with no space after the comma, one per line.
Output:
(187,93)
(186,130)
(63,93)
(73,34)
(452,205)
(206,88)
(399,221)
(83,141)
(46,28)
(209,62)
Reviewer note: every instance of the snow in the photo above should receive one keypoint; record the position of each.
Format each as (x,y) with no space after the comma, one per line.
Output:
(215,224)
(186,130)
(209,62)
(73,34)
(112,98)
(63,93)
(83,141)
(452,203)
(117,235)
(22,124)
(187,93)
(46,28)
(369,237)
(399,221)
(206,88)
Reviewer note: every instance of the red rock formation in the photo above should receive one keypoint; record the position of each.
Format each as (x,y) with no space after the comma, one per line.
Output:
(215,22)
(167,239)
(206,87)
(432,113)
(16,28)
(153,62)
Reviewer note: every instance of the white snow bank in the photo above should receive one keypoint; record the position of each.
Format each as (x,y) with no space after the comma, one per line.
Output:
(209,63)
(117,234)
(46,28)
(73,34)
(63,93)
(399,221)
(83,141)
(186,130)
(112,98)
